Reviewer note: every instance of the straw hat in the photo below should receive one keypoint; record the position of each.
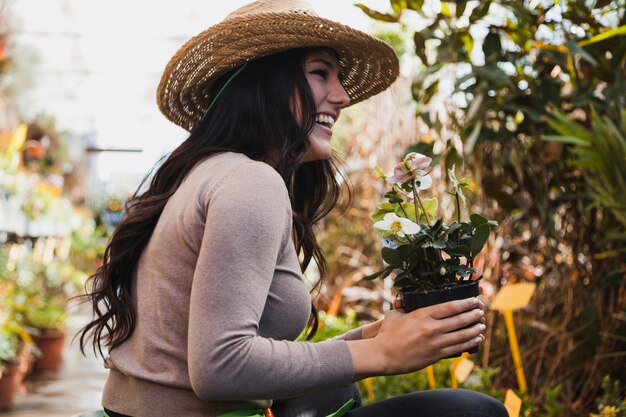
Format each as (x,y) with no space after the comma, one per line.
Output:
(263,28)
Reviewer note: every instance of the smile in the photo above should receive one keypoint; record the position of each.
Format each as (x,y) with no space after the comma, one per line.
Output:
(325,120)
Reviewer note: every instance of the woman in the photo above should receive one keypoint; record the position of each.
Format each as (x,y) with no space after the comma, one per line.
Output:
(201,292)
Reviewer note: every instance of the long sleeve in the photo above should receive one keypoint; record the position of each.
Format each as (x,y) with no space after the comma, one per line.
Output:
(245,242)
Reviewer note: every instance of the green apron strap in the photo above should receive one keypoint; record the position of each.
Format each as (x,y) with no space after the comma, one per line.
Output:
(245,412)
(344,409)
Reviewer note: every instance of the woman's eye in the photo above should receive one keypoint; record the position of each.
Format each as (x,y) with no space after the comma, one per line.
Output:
(322,73)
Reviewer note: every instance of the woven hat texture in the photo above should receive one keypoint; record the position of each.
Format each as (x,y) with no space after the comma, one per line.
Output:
(262,28)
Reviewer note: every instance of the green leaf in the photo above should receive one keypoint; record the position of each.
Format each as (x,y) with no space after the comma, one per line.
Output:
(460,7)
(384,17)
(409,209)
(378,215)
(405,251)
(459,250)
(385,272)
(621,30)
(477,219)
(571,140)
(480,11)
(602,3)
(453,228)
(398,6)
(420,47)
(416,5)
(402,281)
(430,92)
(392,257)
(439,244)
(577,50)
(431,205)
(480,238)
(393,197)
(492,47)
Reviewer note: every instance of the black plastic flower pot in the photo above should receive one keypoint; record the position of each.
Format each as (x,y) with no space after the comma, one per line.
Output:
(416,299)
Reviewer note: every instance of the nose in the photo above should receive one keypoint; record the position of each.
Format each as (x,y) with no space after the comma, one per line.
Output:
(338,95)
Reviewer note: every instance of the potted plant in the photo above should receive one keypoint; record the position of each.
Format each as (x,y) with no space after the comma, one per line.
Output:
(14,357)
(38,301)
(432,261)
(48,322)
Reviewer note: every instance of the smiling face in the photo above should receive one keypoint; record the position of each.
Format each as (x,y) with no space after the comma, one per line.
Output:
(322,71)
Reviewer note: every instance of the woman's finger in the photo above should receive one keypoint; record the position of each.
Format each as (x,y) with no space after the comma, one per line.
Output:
(460,336)
(452,308)
(461,347)
(461,320)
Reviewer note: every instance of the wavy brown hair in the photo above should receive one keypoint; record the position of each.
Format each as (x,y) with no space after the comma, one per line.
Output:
(253,116)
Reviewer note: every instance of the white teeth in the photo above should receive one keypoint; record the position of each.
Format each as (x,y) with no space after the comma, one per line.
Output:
(325,119)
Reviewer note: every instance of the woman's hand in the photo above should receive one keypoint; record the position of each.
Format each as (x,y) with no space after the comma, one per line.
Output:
(406,342)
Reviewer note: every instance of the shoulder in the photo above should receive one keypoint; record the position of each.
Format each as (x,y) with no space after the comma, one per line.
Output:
(236,185)
(236,172)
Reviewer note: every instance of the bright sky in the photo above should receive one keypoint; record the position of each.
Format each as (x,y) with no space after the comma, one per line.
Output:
(99,63)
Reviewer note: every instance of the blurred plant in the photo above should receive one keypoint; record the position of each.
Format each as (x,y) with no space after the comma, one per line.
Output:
(480,380)
(88,243)
(612,403)
(599,149)
(12,339)
(9,347)
(331,326)
(37,284)
(496,74)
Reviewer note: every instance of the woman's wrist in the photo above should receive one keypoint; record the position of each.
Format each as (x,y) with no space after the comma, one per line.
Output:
(368,358)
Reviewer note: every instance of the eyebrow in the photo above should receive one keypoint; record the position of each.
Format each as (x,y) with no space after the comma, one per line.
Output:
(325,62)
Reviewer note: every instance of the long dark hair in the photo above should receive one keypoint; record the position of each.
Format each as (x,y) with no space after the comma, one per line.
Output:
(253,116)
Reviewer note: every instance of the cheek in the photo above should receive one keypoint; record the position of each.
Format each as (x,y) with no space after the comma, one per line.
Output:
(316,89)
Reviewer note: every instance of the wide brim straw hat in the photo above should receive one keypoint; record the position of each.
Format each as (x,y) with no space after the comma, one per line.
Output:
(265,27)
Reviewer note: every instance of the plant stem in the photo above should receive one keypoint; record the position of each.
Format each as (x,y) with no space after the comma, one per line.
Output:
(458,207)
(418,201)
(407,216)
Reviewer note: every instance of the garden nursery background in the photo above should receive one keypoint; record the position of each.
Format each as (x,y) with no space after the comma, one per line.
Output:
(525,97)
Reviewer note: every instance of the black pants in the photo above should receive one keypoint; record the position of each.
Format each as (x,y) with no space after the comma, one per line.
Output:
(432,403)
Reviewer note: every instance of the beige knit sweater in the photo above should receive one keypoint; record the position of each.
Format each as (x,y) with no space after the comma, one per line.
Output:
(220,298)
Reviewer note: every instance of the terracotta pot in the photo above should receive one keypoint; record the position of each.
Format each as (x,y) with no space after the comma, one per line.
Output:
(50,343)
(415,299)
(9,380)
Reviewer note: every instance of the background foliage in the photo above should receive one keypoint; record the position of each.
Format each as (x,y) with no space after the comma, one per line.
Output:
(529,96)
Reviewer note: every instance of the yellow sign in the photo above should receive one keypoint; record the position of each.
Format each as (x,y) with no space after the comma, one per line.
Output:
(463,369)
(512,403)
(513,296)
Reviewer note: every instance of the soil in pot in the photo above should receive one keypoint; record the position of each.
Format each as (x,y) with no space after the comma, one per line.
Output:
(50,344)
(418,299)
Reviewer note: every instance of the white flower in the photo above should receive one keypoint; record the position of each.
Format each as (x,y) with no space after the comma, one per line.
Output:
(399,226)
